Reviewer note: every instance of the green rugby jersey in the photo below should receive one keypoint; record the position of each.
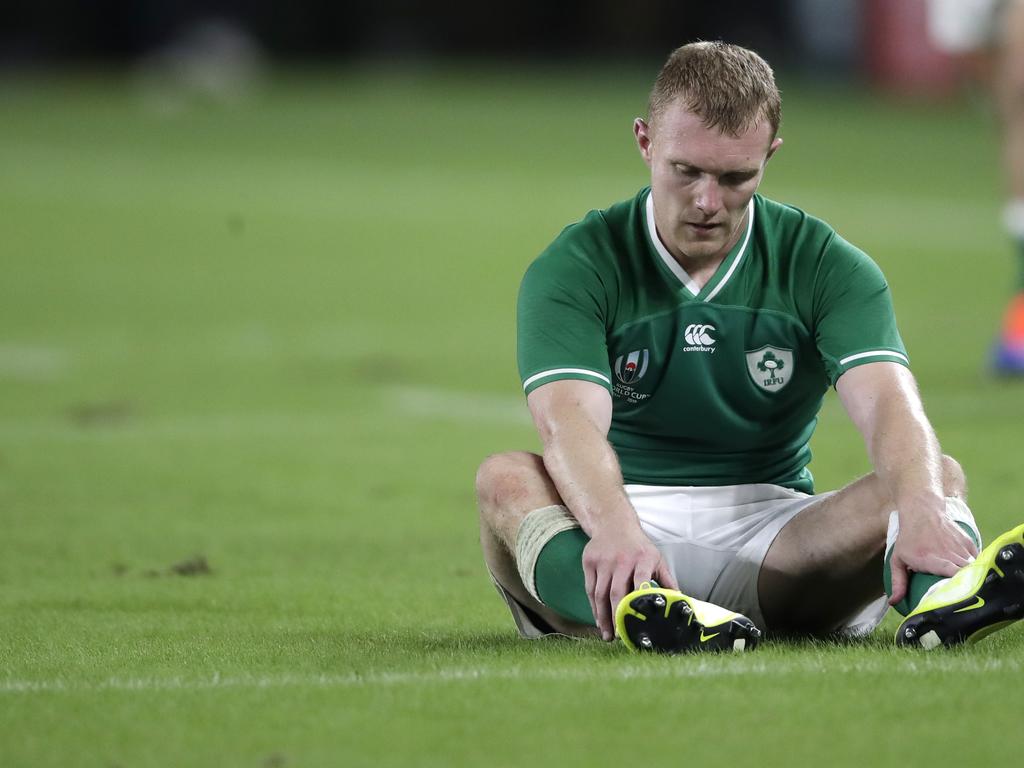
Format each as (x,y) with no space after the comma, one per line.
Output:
(713,386)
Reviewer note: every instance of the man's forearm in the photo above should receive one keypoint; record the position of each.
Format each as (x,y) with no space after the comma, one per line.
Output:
(906,457)
(883,401)
(586,471)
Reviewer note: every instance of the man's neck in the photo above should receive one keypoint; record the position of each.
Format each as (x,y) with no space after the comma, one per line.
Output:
(702,268)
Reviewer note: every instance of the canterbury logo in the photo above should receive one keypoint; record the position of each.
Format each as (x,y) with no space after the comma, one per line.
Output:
(699,335)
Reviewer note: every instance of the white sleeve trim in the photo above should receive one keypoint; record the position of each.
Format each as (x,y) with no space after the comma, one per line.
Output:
(559,371)
(874,353)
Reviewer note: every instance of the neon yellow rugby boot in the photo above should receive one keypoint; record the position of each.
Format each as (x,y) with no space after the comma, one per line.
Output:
(981,598)
(652,618)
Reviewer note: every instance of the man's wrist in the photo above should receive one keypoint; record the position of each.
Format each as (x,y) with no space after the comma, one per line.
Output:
(623,525)
(921,505)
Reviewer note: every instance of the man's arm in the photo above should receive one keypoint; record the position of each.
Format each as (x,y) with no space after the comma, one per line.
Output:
(573,418)
(883,402)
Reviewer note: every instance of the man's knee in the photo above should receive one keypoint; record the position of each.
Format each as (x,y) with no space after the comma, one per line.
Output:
(504,478)
(954,482)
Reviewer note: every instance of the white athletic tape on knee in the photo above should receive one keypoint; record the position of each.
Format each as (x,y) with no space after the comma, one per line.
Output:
(536,530)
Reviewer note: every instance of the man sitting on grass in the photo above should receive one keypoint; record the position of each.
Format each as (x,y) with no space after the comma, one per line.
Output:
(675,349)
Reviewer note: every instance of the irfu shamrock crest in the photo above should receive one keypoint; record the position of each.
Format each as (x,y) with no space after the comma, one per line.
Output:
(770,367)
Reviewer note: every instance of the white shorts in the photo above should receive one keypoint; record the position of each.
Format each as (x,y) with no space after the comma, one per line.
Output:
(715,540)
(963,26)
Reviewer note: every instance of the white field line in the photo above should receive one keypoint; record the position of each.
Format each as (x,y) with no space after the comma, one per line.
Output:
(468,407)
(32,362)
(192,427)
(417,402)
(685,670)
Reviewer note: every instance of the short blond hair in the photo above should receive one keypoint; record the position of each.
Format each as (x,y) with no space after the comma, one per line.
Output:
(730,88)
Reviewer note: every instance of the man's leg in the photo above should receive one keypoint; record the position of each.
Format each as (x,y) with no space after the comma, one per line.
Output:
(521,516)
(826,564)
(509,486)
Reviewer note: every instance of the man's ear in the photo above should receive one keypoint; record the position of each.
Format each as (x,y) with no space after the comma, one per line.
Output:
(642,132)
(776,143)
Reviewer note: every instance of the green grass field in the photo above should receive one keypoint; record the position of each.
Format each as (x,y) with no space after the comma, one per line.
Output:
(250,357)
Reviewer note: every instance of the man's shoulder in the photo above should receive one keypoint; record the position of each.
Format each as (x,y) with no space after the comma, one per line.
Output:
(805,241)
(593,254)
(785,222)
(602,227)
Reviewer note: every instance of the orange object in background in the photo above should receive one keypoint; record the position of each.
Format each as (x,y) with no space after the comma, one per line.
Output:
(1013,322)
(898,52)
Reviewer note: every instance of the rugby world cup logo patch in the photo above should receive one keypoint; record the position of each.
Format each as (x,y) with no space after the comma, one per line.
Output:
(634,367)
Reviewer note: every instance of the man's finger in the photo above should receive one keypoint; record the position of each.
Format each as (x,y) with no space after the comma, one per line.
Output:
(899,581)
(940,566)
(959,561)
(961,547)
(664,576)
(601,613)
(646,570)
(589,579)
(968,542)
(657,571)
(622,584)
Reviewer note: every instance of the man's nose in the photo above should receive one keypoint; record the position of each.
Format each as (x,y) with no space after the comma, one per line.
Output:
(709,195)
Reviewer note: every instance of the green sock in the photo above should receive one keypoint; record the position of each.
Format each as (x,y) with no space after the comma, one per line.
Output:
(561,585)
(920,583)
(558,576)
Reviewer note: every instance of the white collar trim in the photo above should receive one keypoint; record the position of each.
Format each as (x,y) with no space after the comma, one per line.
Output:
(674,266)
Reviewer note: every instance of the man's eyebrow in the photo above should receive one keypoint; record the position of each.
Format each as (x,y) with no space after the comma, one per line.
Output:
(731,172)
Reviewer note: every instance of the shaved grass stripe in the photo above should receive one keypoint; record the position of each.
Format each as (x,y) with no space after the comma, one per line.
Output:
(420,402)
(910,666)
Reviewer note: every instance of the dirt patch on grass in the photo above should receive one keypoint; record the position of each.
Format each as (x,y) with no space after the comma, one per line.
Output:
(111,413)
(193,566)
(197,565)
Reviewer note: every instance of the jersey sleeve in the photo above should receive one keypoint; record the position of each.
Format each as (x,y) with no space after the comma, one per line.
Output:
(561,322)
(854,319)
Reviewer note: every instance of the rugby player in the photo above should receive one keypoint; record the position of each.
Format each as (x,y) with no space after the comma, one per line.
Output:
(675,349)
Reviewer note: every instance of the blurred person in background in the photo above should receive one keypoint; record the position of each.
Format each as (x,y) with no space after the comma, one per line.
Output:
(986,38)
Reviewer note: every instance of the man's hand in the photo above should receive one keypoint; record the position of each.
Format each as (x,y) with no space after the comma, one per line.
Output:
(616,562)
(928,543)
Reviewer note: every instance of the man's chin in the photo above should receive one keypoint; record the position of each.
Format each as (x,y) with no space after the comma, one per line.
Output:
(700,249)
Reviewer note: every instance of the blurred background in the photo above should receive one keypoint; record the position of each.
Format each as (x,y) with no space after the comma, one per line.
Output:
(261,258)
(299,228)
(258,271)
(883,40)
